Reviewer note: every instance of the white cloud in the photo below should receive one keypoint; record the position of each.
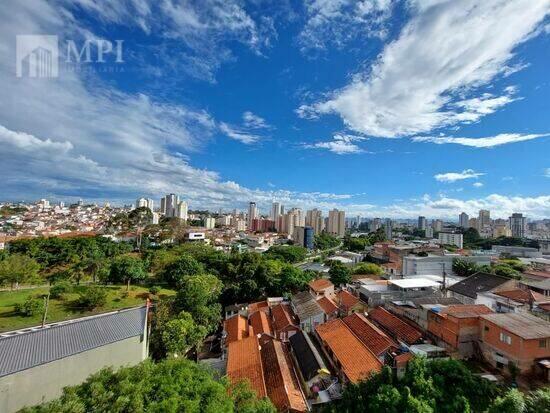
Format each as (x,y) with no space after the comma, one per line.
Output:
(478,184)
(336,22)
(238,134)
(250,120)
(458,176)
(487,142)
(547,173)
(342,144)
(432,75)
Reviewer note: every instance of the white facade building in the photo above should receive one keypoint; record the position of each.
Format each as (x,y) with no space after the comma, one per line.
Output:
(449,238)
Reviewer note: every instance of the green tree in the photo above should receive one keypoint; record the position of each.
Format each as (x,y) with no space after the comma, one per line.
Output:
(92,297)
(538,401)
(174,385)
(126,269)
(31,306)
(181,334)
(17,269)
(464,268)
(339,273)
(287,253)
(325,241)
(368,268)
(511,402)
(185,266)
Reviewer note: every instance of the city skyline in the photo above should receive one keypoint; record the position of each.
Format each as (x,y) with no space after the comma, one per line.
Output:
(314,106)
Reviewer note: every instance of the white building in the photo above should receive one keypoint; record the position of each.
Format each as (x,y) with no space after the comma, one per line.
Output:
(388,229)
(449,238)
(182,211)
(336,223)
(170,204)
(314,219)
(463,219)
(145,203)
(252,214)
(275,212)
(210,223)
(436,264)
(517,223)
(224,220)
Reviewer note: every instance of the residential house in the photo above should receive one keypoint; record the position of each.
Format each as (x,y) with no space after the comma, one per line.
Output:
(468,290)
(307,309)
(518,338)
(348,303)
(456,327)
(329,307)
(244,362)
(283,322)
(349,356)
(416,310)
(261,326)
(234,329)
(321,287)
(397,329)
(37,363)
(371,336)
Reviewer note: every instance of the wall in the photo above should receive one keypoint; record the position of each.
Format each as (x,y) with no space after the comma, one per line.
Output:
(46,382)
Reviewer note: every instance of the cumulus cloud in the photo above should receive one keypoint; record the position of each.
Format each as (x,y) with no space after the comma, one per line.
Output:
(342,144)
(250,120)
(433,74)
(458,176)
(478,184)
(487,142)
(336,22)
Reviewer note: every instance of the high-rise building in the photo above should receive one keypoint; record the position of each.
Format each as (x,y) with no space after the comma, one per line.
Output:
(375,224)
(144,203)
(182,210)
(472,223)
(422,223)
(437,225)
(163,206)
(303,236)
(314,219)
(463,220)
(484,219)
(171,202)
(275,212)
(388,229)
(252,214)
(517,223)
(336,223)
(429,232)
(209,223)
(449,238)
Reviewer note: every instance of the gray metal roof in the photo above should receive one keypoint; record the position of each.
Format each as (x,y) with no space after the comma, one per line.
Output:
(24,349)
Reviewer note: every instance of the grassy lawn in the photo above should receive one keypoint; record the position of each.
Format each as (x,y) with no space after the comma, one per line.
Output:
(64,309)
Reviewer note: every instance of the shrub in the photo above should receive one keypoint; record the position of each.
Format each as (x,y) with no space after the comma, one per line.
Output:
(92,297)
(31,306)
(59,288)
(154,290)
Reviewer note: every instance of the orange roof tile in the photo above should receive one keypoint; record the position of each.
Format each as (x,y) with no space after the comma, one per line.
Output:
(236,328)
(280,379)
(395,326)
(260,323)
(522,296)
(403,359)
(320,284)
(328,306)
(245,363)
(371,336)
(281,316)
(356,360)
(465,311)
(260,305)
(346,299)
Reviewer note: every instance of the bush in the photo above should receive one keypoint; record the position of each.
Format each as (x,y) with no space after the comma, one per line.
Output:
(154,290)
(31,306)
(61,287)
(92,297)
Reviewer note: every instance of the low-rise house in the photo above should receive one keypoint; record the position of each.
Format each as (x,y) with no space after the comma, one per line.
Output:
(329,307)
(261,326)
(37,363)
(307,309)
(514,300)
(350,357)
(321,287)
(468,290)
(244,362)
(307,358)
(348,303)
(398,329)
(234,329)
(283,322)
(281,382)
(371,336)
(457,327)
(518,338)
(416,309)
(541,287)
(379,292)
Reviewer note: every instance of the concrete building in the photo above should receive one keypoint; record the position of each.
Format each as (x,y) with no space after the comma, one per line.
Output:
(429,232)
(303,236)
(209,223)
(484,219)
(501,230)
(182,211)
(517,223)
(437,225)
(314,219)
(336,223)
(145,203)
(449,238)
(388,229)
(436,264)
(422,223)
(171,202)
(463,220)
(513,251)
(275,211)
(37,363)
(252,214)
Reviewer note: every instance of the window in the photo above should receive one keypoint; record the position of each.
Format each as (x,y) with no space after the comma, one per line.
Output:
(542,343)
(486,328)
(505,338)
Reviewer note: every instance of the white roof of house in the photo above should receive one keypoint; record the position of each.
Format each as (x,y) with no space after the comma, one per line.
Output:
(414,283)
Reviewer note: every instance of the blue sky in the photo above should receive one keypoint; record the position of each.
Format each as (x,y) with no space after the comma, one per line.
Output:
(383,108)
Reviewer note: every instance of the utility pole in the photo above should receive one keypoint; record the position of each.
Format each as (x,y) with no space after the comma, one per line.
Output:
(46,303)
(444,289)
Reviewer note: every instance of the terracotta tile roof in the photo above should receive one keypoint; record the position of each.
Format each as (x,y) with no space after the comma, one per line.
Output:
(523,296)
(395,326)
(346,299)
(281,316)
(402,359)
(328,306)
(371,336)
(537,273)
(466,311)
(280,379)
(236,328)
(320,284)
(260,305)
(261,323)
(245,363)
(356,360)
